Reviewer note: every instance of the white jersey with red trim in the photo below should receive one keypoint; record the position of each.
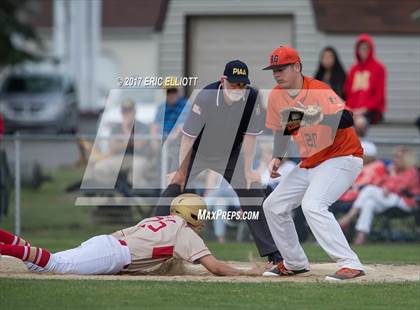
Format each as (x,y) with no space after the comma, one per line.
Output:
(155,240)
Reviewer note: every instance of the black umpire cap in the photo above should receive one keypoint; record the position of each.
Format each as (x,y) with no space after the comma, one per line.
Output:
(236,71)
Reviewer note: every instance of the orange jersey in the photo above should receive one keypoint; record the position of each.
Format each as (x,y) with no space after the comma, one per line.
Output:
(316,143)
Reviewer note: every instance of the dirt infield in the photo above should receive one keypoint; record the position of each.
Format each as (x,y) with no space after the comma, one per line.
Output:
(13,268)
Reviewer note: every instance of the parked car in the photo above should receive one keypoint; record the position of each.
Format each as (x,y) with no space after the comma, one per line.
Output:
(39,100)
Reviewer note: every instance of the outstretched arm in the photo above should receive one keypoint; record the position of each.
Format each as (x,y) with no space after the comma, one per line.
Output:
(185,152)
(281,143)
(249,153)
(220,268)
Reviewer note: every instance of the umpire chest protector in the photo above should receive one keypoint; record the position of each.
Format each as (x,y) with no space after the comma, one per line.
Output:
(220,126)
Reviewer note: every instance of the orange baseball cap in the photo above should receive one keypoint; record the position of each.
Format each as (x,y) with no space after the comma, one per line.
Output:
(282,56)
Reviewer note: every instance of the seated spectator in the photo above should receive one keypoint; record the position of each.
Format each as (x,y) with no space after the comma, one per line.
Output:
(168,123)
(330,70)
(364,88)
(396,190)
(373,173)
(134,151)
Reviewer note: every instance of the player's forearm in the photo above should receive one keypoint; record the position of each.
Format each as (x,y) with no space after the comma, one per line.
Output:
(249,151)
(220,268)
(185,153)
(226,270)
(281,143)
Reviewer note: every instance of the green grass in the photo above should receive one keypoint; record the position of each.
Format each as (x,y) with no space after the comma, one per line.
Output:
(49,214)
(50,207)
(65,294)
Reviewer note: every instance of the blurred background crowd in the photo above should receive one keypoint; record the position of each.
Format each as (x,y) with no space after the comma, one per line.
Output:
(60,61)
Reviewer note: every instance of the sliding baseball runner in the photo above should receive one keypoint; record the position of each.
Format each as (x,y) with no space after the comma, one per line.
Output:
(137,250)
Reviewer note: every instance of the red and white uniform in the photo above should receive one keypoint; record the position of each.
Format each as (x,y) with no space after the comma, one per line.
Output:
(155,240)
(136,250)
(331,161)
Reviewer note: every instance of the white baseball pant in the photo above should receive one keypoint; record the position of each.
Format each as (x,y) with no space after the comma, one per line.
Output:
(315,189)
(99,255)
(372,200)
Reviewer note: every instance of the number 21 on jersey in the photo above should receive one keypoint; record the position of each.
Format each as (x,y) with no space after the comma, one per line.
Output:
(310,139)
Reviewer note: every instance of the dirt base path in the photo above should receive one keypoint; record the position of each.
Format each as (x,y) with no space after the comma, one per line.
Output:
(13,268)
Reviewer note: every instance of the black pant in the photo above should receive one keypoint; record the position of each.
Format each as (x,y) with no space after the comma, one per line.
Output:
(236,177)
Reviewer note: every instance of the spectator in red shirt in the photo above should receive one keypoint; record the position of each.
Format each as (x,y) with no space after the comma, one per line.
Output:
(365,86)
(396,190)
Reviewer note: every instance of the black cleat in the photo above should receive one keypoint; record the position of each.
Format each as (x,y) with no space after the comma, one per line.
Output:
(275,258)
(281,271)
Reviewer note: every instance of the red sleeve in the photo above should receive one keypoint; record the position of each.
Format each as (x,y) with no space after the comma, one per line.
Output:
(377,101)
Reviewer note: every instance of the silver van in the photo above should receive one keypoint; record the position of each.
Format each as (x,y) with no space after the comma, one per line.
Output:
(39,101)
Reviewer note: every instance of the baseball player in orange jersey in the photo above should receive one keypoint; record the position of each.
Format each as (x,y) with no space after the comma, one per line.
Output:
(140,249)
(331,160)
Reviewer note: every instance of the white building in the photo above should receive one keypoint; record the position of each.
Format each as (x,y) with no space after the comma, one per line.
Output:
(199,36)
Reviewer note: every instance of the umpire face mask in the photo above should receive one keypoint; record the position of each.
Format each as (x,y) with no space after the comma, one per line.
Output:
(234,94)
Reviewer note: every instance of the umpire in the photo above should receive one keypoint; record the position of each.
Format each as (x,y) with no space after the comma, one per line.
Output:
(220,134)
